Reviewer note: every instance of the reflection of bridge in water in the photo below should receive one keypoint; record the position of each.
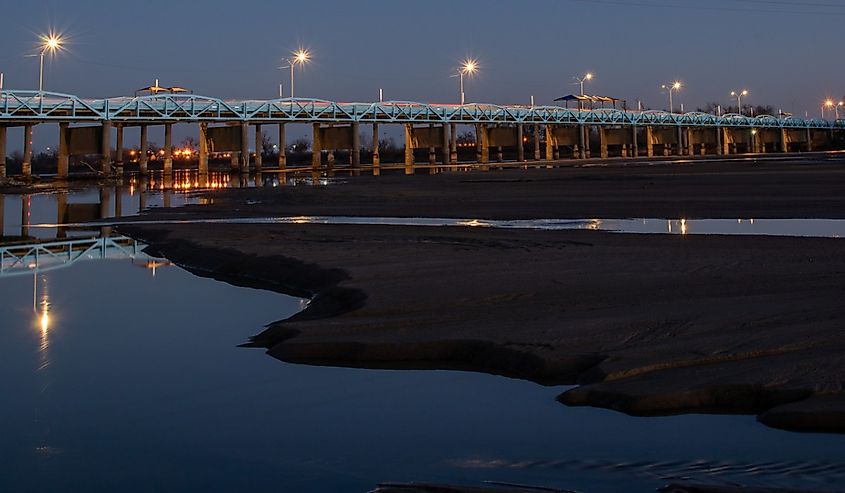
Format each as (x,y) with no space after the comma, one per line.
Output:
(42,256)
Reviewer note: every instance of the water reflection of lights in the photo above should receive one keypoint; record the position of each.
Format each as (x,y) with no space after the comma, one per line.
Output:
(43,319)
(153,265)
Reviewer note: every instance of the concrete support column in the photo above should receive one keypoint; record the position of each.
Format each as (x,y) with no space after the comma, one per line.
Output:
(551,145)
(477,143)
(649,141)
(453,143)
(316,148)
(203,158)
(409,149)
(142,155)
(784,141)
(376,156)
(484,142)
(243,162)
(635,147)
(63,157)
(432,151)
(537,154)
(500,154)
(520,145)
(356,145)
(688,138)
(809,142)
(719,146)
(283,147)
(118,149)
(105,151)
(26,168)
(168,148)
(445,145)
(587,142)
(603,143)
(680,148)
(259,141)
(2,159)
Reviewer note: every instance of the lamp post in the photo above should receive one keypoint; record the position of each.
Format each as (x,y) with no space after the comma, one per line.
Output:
(738,95)
(299,57)
(674,86)
(587,77)
(49,43)
(469,67)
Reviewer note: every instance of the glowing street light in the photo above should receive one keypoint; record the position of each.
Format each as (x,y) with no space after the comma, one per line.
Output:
(587,77)
(830,104)
(300,57)
(49,43)
(671,87)
(469,67)
(738,95)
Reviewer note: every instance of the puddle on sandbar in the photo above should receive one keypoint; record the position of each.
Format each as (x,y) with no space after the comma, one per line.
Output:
(819,228)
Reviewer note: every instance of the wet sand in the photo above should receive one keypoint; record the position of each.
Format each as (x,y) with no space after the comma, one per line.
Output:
(644,324)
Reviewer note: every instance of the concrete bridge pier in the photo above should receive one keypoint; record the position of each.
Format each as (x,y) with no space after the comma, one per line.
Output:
(453,143)
(203,155)
(63,158)
(259,141)
(446,145)
(233,163)
(376,156)
(105,152)
(432,151)
(316,148)
(587,152)
(283,157)
(603,143)
(243,161)
(168,149)
(635,144)
(719,142)
(809,142)
(356,145)
(142,156)
(484,147)
(649,141)
(409,149)
(118,149)
(520,144)
(551,142)
(537,155)
(680,148)
(2,157)
(477,142)
(26,167)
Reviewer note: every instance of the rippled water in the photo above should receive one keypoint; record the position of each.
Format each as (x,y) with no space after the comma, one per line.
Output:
(124,375)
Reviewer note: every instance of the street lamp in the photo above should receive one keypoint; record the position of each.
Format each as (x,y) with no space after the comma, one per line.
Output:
(49,43)
(828,103)
(738,95)
(300,57)
(468,67)
(674,86)
(588,76)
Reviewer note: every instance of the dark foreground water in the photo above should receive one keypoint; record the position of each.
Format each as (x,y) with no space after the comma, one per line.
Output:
(120,377)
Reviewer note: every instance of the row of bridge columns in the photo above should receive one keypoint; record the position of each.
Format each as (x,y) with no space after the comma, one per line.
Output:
(671,140)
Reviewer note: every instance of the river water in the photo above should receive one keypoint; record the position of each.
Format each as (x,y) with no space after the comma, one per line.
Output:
(122,374)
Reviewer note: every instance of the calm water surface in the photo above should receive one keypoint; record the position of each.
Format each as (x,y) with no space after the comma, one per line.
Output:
(118,376)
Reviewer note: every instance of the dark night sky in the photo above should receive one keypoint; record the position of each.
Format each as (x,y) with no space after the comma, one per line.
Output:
(787,53)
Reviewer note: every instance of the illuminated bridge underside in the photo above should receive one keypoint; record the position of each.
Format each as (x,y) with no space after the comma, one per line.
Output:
(23,107)
(41,257)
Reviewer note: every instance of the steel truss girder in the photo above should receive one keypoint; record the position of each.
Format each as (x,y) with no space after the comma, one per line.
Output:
(23,107)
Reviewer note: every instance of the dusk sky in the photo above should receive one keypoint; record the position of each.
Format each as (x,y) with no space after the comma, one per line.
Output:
(786,53)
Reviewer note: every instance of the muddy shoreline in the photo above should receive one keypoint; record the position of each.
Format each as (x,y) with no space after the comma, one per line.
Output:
(643,324)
